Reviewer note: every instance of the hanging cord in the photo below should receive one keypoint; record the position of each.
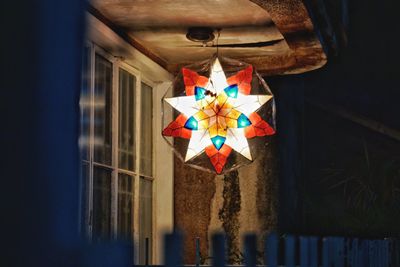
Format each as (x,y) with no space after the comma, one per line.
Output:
(219,32)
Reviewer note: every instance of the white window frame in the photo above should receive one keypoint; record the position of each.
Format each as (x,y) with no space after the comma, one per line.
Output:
(124,56)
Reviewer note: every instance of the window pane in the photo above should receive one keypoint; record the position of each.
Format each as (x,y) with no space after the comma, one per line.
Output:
(84,104)
(145,218)
(126,138)
(146,132)
(101,204)
(125,206)
(84,197)
(102,110)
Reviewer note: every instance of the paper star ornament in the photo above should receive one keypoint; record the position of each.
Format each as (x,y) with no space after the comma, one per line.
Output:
(218,115)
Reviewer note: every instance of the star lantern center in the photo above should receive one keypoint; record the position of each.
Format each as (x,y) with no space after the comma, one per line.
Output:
(218,114)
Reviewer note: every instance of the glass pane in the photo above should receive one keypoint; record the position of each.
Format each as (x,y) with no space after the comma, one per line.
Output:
(102,110)
(125,206)
(145,218)
(83,200)
(146,132)
(84,104)
(101,204)
(126,138)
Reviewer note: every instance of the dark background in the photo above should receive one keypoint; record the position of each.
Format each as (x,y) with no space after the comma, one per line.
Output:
(339,176)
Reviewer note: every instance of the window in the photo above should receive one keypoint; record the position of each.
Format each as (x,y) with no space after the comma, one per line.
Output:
(117,151)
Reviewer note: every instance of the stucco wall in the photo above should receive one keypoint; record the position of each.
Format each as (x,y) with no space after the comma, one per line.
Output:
(238,202)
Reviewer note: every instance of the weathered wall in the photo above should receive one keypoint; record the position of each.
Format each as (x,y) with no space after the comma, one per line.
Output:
(238,202)
(193,193)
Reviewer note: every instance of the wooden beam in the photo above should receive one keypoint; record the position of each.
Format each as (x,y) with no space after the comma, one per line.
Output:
(356,118)
(293,21)
(121,33)
(289,16)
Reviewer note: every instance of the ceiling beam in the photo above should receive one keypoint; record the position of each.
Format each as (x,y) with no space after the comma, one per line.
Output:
(293,21)
(121,33)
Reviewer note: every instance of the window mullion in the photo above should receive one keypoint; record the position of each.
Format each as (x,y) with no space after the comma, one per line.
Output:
(114,157)
(136,193)
(89,215)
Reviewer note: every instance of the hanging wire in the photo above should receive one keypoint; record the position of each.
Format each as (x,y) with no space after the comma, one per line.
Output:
(219,32)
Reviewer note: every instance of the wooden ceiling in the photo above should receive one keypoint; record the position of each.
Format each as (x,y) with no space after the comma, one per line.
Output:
(276,36)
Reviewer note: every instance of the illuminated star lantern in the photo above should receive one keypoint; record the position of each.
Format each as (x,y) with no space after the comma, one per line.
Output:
(218,115)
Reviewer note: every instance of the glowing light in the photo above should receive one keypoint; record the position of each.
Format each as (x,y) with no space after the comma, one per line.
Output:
(218,115)
(218,141)
(191,124)
(185,104)
(199,93)
(232,91)
(243,121)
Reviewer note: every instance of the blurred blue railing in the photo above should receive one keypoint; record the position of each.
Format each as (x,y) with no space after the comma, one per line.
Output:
(290,251)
